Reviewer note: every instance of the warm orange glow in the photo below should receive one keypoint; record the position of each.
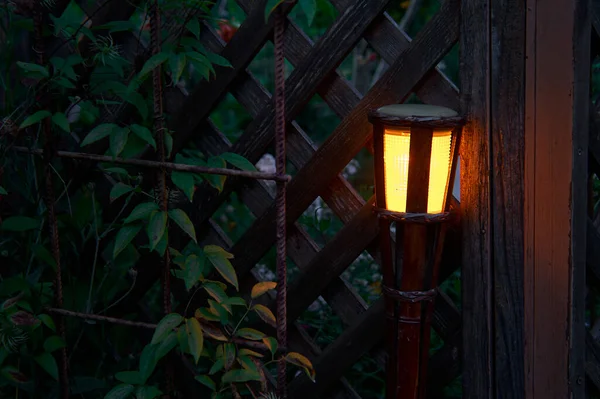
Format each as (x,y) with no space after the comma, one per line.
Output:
(396,149)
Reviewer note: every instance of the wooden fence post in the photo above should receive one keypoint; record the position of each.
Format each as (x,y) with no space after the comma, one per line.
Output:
(525,91)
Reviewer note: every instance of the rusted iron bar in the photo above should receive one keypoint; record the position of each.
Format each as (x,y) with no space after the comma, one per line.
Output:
(86,316)
(280,160)
(158,165)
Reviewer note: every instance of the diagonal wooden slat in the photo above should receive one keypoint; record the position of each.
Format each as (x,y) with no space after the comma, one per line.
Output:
(240,51)
(354,343)
(343,200)
(390,41)
(436,38)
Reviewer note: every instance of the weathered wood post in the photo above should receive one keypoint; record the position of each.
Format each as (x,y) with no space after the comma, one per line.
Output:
(525,92)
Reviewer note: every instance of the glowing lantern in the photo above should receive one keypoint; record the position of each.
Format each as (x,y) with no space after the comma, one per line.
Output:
(416,148)
(415,156)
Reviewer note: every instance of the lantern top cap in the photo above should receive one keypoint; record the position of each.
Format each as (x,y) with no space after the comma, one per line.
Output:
(407,115)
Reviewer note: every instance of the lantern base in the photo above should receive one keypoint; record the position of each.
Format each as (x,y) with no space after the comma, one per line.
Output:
(406,217)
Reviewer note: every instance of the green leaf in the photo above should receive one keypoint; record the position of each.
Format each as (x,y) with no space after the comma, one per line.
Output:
(215,291)
(48,363)
(177,66)
(207,382)
(168,145)
(124,237)
(217,181)
(121,391)
(220,260)
(166,345)
(192,270)
(301,361)
(144,133)
(147,392)
(152,63)
(229,354)
(38,69)
(217,366)
(129,377)
(35,118)
(247,363)
(118,190)
(195,338)
(309,7)
(240,375)
(216,59)
(53,343)
(238,161)
(3,191)
(48,322)
(182,220)
(235,301)
(271,6)
(118,139)
(60,120)
(194,27)
(148,362)
(138,101)
(43,255)
(156,228)
(19,223)
(220,310)
(182,338)
(141,211)
(185,182)
(98,133)
(251,334)
(64,82)
(165,326)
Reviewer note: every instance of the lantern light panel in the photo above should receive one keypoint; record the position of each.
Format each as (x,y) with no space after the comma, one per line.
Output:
(396,144)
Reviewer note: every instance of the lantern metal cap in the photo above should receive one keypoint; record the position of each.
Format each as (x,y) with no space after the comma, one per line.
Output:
(407,115)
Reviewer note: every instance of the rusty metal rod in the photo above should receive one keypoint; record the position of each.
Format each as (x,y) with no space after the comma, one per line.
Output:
(159,165)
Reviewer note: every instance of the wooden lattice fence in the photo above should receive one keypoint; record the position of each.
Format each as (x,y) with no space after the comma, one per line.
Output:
(412,70)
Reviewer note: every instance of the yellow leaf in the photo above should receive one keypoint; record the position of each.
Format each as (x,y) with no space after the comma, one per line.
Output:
(303,362)
(195,337)
(265,313)
(248,352)
(262,287)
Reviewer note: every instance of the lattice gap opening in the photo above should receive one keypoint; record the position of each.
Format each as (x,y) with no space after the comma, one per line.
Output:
(362,67)
(367,376)
(231,118)
(412,15)
(364,275)
(324,17)
(452,287)
(449,65)
(320,323)
(317,119)
(234,217)
(360,171)
(228,11)
(320,222)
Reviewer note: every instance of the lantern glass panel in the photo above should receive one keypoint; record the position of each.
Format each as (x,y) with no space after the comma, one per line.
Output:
(396,144)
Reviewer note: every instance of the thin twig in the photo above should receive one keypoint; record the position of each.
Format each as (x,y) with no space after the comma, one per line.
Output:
(162,165)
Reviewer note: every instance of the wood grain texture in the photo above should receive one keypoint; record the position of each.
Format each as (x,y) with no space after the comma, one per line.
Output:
(475,201)
(558,106)
(507,129)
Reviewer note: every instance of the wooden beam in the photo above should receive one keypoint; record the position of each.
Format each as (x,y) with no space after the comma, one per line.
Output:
(475,201)
(557,127)
(507,135)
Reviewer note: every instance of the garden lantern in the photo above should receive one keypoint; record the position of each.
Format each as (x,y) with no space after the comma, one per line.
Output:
(416,150)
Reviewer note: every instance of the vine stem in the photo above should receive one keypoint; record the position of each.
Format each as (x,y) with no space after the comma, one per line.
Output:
(159,132)
(50,200)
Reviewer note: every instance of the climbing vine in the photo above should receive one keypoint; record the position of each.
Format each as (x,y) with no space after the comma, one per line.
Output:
(72,83)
